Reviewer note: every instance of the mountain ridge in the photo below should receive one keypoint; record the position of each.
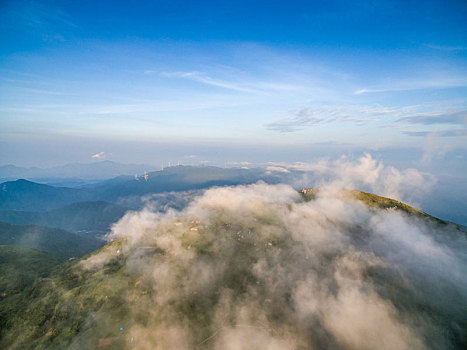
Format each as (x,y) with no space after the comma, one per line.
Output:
(60,243)
(79,217)
(96,170)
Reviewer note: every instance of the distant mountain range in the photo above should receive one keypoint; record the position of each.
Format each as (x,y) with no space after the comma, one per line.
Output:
(85,218)
(97,170)
(27,195)
(178,178)
(69,222)
(60,243)
(30,196)
(130,191)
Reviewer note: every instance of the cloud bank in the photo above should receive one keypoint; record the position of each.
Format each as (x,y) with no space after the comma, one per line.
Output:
(365,173)
(256,266)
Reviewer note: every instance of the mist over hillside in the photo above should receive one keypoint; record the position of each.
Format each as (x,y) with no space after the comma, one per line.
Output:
(438,196)
(258,266)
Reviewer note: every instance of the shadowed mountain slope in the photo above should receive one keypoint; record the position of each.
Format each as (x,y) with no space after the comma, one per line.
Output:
(60,243)
(85,218)
(31,196)
(178,178)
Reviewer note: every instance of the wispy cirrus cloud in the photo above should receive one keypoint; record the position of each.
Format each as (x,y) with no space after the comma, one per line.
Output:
(315,115)
(447,80)
(446,47)
(441,133)
(38,14)
(247,84)
(204,79)
(361,115)
(49,23)
(457,118)
(45,92)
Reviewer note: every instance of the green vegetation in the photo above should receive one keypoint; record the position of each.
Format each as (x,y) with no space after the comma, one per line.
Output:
(58,242)
(85,218)
(51,311)
(20,266)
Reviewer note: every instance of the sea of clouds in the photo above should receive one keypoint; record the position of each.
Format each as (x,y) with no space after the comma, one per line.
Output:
(259,267)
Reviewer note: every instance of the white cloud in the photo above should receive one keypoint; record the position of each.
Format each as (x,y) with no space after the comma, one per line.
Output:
(277,169)
(365,173)
(100,155)
(269,270)
(204,79)
(361,115)
(356,114)
(447,80)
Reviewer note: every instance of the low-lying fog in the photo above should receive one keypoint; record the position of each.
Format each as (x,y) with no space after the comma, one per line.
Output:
(257,267)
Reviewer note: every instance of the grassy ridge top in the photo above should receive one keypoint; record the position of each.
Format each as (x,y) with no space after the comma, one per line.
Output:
(372,201)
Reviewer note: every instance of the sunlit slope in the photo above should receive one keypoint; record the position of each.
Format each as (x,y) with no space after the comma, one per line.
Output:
(255,267)
(371,200)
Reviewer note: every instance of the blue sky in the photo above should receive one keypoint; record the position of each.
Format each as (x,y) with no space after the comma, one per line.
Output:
(247,80)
